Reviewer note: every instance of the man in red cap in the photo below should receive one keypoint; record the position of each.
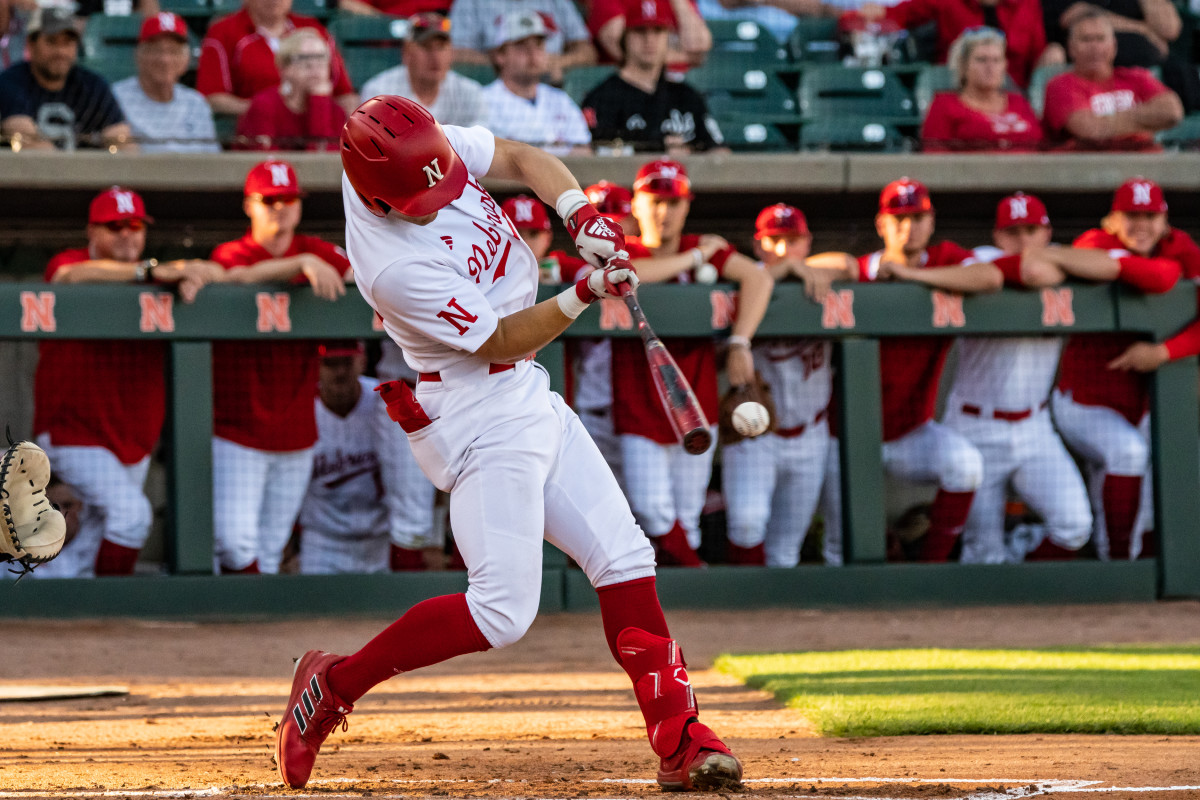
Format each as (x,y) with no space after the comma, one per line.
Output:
(690,42)
(164,115)
(264,428)
(639,105)
(667,486)
(100,442)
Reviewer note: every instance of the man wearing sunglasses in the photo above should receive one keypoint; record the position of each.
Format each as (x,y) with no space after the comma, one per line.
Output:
(100,440)
(264,424)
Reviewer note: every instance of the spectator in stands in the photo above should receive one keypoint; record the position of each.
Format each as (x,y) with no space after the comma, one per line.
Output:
(568,43)
(237,57)
(981,115)
(689,42)
(164,115)
(777,16)
(393,8)
(1097,106)
(85,8)
(49,101)
(299,113)
(100,440)
(638,104)
(1020,20)
(666,485)
(519,105)
(264,425)
(425,75)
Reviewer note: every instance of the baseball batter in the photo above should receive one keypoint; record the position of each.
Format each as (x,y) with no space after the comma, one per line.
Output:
(455,286)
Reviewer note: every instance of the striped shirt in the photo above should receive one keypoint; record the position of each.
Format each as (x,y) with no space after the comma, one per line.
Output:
(83,107)
(183,124)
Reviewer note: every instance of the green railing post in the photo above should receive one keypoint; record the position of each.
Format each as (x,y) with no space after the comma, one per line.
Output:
(189,427)
(1174,439)
(860,426)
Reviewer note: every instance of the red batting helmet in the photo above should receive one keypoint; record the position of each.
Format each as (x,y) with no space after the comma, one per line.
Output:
(397,156)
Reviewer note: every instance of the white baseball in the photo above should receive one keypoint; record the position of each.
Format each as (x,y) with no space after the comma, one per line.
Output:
(706,273)
(751,419)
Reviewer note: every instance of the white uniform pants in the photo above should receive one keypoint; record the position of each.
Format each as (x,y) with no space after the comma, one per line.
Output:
(413,520)
(771,487)
(256,498)
(665,483)
(520,467)
(599,424)
(324,553)
(1029,455)
(1109,445)
(114,505)
(831,505)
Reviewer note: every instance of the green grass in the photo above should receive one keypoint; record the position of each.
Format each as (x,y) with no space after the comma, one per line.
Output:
(1134,689)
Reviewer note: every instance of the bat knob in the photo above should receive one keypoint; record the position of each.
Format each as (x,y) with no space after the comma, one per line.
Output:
(697,441)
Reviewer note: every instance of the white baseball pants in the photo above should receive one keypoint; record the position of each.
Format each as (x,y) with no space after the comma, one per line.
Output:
(598,422)
(411,516)
(831,505)
(665,483)
(325,553)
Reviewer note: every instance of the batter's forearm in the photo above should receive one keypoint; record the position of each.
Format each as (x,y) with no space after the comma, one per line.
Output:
(522,334)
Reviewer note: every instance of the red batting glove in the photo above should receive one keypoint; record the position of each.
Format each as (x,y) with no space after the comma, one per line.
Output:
(597,238)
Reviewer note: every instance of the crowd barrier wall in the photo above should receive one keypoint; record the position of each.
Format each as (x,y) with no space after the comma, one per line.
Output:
(854,315)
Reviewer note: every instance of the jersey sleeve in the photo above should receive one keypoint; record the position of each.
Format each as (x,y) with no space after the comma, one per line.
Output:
(1145,85)
(329,252)
(1064,96)
(212,73)
(64,259)
(1185,343)
(475,146)
(436,301)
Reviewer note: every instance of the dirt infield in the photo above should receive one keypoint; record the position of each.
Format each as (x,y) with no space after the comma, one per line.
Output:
(550,717)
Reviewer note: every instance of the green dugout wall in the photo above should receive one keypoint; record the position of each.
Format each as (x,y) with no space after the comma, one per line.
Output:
(855,316)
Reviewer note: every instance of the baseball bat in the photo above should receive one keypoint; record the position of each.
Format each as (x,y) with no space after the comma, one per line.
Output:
(678,399)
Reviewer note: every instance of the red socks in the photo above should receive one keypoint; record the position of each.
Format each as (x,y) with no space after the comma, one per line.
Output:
(115,559)
(745,556)
(946,520)
(430,632)
(1122,498)
(632,604)
(672,549)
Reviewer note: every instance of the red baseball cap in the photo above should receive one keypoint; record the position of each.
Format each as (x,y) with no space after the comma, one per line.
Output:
(117,204)
(164,23)
(648,14)
(610,200)
(1021,209)
(341,347)
(904,196)
(664,178)
(780,220)
(1140,194)
(527,213)
(272,179)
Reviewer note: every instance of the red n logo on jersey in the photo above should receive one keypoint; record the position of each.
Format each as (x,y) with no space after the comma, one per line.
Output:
(838,309)
(947,310)
(273,313)
(1057,308)
(158,312)
(724,308)
(614,315)
(37,312)
(454,319)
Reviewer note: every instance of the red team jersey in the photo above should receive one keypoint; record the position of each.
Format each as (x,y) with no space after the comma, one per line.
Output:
(1068,93)
(1084,370)
(318,128)
(263,391)
(911,366)
(952,125)
(109,394)
(633,390)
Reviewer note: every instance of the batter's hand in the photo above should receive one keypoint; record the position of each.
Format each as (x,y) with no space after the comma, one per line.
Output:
(1141,357)
(612,280)
(597,238)
(326,281)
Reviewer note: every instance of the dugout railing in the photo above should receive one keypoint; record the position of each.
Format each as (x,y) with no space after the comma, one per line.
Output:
(855,316)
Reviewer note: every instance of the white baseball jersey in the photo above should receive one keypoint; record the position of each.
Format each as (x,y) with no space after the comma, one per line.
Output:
(437,286)
(798,372)
(552,121)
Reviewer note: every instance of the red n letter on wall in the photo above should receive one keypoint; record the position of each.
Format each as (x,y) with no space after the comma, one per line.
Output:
(158,312)
(838,311)
(724,308)
(1057,308)
(37,312)
(614,315)
(273,312)
(947,310)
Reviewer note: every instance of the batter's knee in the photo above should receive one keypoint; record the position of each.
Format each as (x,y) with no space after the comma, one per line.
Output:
(504,620)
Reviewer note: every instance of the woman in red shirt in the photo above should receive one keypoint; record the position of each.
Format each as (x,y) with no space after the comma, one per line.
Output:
(299,113)
(982,114)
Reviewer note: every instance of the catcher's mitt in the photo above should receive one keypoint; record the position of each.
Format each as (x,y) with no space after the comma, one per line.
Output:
(756,392)
(32,530)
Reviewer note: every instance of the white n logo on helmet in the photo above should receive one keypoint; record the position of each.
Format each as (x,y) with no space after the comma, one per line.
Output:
(1018,207)
(124,202)
(524,209)
(1141,194)
(649,9)
(279,175)
(433,173)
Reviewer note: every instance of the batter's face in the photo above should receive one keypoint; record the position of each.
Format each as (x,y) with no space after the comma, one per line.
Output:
(272,216)
(51,57)
(986,67)
(773,249)
(123,240)
(660,219)
(428,61)
(1016,238)
(538,241)
(1139,231)
(919,234)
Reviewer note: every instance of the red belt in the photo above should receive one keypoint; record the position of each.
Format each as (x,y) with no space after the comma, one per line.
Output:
(792,433)
(1007,416)
(436,377)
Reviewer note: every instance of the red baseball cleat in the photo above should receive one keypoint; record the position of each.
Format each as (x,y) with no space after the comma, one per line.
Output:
(702,764)
(312,713)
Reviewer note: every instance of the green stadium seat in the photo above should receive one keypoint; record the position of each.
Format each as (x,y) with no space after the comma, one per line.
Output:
(834,91)
(480,73)
(368,45)
(225,124)
(321,9)
(578,81)
(746,38)
(853,134)
(107,46)
(1184,136)
(1037,85)
(736,87)
(814,40)
(749,134)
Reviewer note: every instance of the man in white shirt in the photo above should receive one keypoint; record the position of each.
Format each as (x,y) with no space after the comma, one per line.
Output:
(424,75)
(520,106)
(568,41)
(166,116)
